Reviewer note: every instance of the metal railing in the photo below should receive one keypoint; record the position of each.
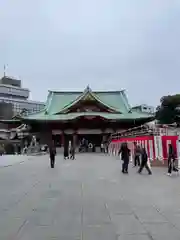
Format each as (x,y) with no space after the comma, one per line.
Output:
(138,131)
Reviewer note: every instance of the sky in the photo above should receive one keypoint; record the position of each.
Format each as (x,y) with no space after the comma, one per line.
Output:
(108,44)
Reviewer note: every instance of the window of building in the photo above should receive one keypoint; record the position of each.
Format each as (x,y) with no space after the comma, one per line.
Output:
(16,107)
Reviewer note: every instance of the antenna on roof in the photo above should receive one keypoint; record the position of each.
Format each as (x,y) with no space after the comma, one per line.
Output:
(5,70)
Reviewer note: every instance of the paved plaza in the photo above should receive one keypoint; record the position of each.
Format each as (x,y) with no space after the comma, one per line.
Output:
(87,199)
(9,160)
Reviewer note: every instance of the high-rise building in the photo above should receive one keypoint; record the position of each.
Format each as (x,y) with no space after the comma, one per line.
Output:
(16,98)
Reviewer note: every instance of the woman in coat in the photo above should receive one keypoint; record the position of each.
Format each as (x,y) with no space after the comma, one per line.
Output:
(125,154)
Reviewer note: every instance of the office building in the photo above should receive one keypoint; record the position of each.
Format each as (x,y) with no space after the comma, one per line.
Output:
(16,98)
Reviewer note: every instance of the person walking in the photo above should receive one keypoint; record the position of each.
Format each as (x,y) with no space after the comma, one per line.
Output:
(66,147)
(72,149)
(137,154)
(125,154)
(52,154)
(171,161)
(102,147)
(144,162)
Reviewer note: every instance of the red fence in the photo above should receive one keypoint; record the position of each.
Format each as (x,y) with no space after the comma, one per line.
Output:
(156,146)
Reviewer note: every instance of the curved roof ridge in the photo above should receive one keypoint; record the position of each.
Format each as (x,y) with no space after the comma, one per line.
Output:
(73,101)
(125,100)
(109,106)
(70,116)
(49,101)
(78,91)
(88,91)
(59,101)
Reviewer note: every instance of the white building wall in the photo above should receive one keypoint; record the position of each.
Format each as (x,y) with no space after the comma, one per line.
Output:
(147,109)
(144,109)
(19,105)
(18,97)
(8,90)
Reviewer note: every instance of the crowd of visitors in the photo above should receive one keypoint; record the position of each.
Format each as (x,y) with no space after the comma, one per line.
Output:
(141,159)
(9,149)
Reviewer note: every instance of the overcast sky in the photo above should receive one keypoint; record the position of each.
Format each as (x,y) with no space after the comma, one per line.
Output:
(108,44)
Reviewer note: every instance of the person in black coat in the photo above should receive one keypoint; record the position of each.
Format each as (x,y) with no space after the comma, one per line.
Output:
(171,160)
(137,154)
(52,154)
(66,148)
(72,149)
(125,154)
(144,162)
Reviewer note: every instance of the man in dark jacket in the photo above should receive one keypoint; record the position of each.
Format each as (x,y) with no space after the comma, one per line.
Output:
(171,160)
(137,154)
(66,147)
(144,162)
(125,154)
(52,154)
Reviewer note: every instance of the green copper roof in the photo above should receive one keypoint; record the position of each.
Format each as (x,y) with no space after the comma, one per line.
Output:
(71,116)
(59,102)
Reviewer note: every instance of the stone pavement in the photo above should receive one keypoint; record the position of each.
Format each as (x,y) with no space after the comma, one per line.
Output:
(87,199)
(9,160)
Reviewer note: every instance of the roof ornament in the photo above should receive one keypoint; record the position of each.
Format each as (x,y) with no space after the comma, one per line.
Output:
(88,89)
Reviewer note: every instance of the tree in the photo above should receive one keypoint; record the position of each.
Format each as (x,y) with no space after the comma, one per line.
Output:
(169,110)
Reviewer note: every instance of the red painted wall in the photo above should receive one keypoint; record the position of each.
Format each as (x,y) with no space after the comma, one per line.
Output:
(165,141)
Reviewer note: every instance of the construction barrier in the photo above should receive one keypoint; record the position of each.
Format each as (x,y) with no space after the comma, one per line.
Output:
(156,146)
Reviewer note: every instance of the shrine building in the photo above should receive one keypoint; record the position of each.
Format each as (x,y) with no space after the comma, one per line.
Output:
(93,115)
